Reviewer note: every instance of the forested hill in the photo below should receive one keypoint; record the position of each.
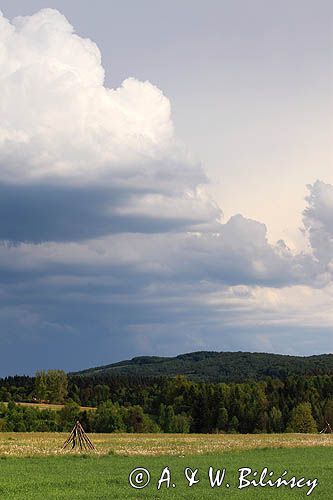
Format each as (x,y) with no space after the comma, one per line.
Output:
(219,366)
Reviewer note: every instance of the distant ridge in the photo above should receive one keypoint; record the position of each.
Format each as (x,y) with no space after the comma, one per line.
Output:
(209,366)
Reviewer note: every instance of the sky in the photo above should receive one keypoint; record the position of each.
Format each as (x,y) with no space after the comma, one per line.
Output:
(166,180)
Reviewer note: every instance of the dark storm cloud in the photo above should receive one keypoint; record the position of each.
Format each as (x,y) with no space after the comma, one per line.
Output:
(37,213)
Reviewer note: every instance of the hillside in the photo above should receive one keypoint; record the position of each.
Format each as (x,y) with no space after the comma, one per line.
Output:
(218,366)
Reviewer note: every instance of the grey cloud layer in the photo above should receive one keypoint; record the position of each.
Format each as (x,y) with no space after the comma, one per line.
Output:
(46,212)
(131,294)
(238,254)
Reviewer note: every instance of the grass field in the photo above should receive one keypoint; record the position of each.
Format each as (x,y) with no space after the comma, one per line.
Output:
(50,406)
(33,467)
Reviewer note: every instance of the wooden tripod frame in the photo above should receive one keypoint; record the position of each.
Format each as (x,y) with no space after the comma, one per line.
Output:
(78,439)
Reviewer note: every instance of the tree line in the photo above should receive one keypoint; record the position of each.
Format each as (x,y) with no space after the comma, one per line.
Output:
(207,366)
(134,404)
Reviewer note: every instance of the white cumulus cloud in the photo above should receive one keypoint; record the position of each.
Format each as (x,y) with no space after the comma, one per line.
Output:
(58,118)
(62,127)
(318,221)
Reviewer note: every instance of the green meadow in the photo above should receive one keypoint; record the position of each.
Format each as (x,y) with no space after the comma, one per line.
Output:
(38,475)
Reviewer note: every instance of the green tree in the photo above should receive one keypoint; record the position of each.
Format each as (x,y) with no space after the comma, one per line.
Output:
(275,420)
(109,418)
(51,386)
(222,419)
(3,410)
(234,424)
(41,389)
(181,424)
(68,415)
(137,421)
(74,394)
(102,393)
(166,417)
(302,420)
(57,385)
(169,419)
(328,412)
